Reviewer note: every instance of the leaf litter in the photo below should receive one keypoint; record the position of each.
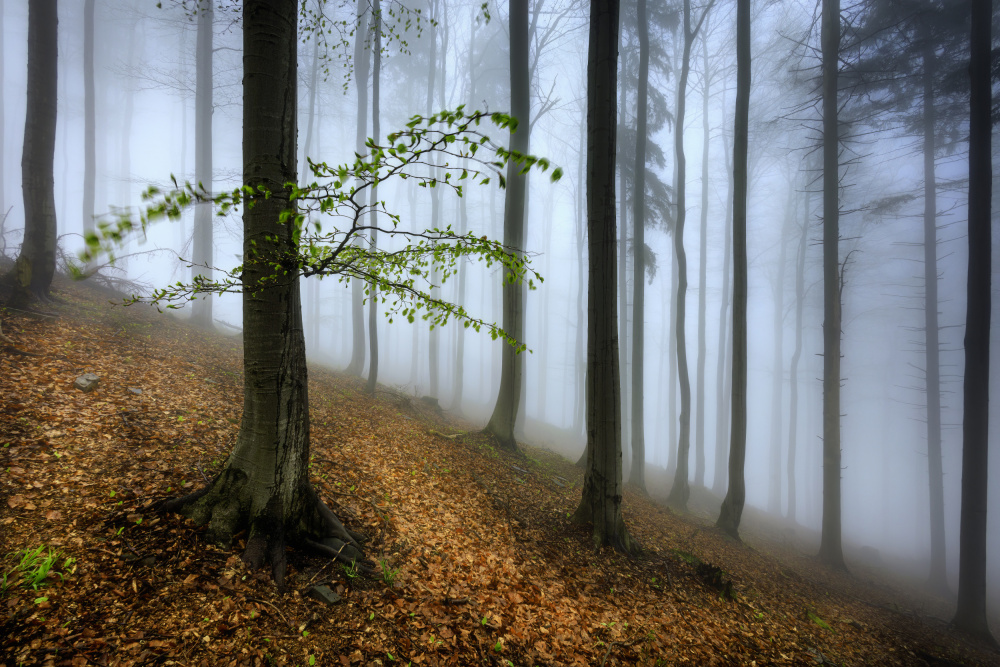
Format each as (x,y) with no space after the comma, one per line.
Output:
(478,563)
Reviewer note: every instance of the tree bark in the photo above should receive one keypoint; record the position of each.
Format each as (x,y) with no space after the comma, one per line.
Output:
(264,487)
(831,550)
(89,117)
(36,264)
(970,616)
(637,477)
(699,418)
(580,358)
(373,201)
(732,505)
(502,421)
(203,246)
(361,62)
(623,197)
(600,504)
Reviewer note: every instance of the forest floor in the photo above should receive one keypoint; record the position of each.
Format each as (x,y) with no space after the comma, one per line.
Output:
(479,564)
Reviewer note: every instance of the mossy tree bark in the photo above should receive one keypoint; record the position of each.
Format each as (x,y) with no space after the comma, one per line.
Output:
(602,482)
(36,264)
(264,487)
(504,418)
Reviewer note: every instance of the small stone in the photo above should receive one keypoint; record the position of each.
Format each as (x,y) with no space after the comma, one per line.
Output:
(87,382)
(135,390)
(324,594)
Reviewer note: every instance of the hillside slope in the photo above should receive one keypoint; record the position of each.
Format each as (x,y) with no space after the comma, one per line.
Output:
(479,564)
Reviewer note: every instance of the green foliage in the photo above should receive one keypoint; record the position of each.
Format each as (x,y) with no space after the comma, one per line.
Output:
(34,567)
(388,573)
(819,621)
(450,141)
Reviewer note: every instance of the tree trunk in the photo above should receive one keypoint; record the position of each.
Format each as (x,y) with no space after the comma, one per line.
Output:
(602,482)
(623,198)
(793,390)
(89,117)
(938,575)
(831,551)
(128,112)
(501,424)
(264,487)
(638,475)
(203,245)
(357,363)
(36,264)
(732,506)
(723,380)
(580,358)
(699,418)
(433,338)
(3,143)
(970,615)
(778,377)
(681,490)
(373,201)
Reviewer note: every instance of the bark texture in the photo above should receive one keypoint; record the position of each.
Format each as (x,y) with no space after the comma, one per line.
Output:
(36,264)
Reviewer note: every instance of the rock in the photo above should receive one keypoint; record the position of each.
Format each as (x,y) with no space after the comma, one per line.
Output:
(87,382)
(135,390)
(324,594)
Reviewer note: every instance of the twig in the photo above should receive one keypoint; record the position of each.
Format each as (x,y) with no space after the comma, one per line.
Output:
(351,495)
(274,608)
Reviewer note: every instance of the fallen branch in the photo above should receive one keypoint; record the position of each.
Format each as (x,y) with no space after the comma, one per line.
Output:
(445,435)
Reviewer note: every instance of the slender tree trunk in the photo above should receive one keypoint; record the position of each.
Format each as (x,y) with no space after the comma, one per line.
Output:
(203,247)
(373,201)
(793,390)
(361,63)
(638,474)
(624,194)
(602,483)
(36,264)
(580,359)
(681,490)
(938,575)
(3,143)
(264,487)
(125,185)
(723,380)
(434,341)
(89,117)
(970,615)
(778,377)
(732,505)
(831,551)
(699,419)
(501,423)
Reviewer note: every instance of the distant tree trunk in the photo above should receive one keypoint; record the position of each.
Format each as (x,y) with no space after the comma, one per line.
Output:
(732,506)
(434,341)
(723,384)
(778,377)
(545,318)
(600,504)
(938,574)
(203,246)
(970,615)
(501,424)
(793,390)
(305,175)
(3,198)
(89,117)
(373,201)
(580,359)
(638,474)
(264,488)
(699,402)
(681,490)
(125,185)
(624,194)
(36,264)
(357,363)
(831,551)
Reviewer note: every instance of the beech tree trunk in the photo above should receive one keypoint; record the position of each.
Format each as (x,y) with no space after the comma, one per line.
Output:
(970,616)
(732,504)
(778,376)
(502,422)
(373,200)
(433,337)
(203,244)
(264,487)
(793,371)
(89,117)
(699,417)
(831,550)
(357,363)
(602,482)
(637,477)
(723,383)
(36,264)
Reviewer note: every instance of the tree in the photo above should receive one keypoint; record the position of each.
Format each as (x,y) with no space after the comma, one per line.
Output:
(778,374)
(793,370)
(970,615)
(202,246)
(89,117)
(600,504)
(502,422)
(681,490)
(35,266)
(831,550)
(724,349)
(732,505)
(373,202)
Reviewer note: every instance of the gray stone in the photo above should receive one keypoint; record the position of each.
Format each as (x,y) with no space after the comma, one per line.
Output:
(324,594)
(87,382)
(135,390)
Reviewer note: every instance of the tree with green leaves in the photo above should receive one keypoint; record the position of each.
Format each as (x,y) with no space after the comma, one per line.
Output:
(264,487)
(35,266)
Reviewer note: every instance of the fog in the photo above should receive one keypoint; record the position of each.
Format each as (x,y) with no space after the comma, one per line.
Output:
(145,59)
